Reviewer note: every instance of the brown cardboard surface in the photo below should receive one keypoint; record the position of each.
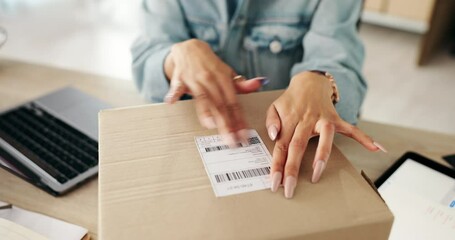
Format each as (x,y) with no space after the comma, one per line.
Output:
(153,185)
(375,5)
(416,10)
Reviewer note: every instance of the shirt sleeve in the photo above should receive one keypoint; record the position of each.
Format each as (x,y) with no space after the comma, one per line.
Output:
(164,25)
(332,44)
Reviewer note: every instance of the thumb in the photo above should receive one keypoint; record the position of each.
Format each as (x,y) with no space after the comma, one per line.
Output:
(251,85)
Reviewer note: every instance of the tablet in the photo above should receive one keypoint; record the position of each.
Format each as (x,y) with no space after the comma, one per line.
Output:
(421,195)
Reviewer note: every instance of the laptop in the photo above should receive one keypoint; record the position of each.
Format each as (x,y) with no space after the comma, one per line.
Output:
(52,142)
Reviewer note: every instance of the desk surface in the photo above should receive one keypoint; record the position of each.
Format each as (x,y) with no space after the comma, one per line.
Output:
(20,82)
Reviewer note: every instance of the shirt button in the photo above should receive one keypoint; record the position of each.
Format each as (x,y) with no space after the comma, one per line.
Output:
(275,46)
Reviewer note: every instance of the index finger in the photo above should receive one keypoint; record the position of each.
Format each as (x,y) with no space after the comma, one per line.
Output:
(236,121)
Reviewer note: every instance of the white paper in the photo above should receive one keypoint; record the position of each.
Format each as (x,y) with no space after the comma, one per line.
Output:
(12,231)
(239,170)
(51,228)
(422,201)
(418,218)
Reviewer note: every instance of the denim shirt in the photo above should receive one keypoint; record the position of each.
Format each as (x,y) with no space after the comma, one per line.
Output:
(273,38)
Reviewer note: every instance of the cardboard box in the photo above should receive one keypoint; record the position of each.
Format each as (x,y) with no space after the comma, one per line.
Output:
(376,5)
(416,10)
(152,185)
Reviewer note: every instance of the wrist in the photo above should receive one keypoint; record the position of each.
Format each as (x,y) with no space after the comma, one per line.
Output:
(335,93)
(310,80)
(317,81)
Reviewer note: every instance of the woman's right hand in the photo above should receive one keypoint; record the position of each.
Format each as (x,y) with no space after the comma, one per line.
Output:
(194,68)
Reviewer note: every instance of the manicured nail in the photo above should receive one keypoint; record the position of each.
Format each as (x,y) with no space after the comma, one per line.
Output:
(273,132)
(263,80)
(243,136)
(289,186)
(229,139)
(209,122)
(168,98)
(276,180)
(319,167)
(382,148)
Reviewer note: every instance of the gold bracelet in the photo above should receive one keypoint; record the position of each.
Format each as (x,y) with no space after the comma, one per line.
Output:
(335,94)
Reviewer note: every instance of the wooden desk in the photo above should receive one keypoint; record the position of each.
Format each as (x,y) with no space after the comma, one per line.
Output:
(22,81)
(397,140)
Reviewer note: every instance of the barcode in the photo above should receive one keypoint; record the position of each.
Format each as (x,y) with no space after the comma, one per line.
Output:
(251,141)
(249,173)
(219,148)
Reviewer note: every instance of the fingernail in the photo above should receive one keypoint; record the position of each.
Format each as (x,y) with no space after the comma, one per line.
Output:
(273,132)
(317,171)
(168,98)
(382,148)
(229,139)
(209,122)
(276,180)
(243,135)
(289,186)
(263,80)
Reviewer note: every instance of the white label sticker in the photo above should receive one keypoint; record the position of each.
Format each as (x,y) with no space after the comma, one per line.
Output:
(239,170)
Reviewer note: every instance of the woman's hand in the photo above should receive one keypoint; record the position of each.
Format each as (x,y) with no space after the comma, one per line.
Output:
(194,68)
(303,111)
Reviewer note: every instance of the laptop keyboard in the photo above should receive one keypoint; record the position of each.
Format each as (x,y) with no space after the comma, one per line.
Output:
(59,149)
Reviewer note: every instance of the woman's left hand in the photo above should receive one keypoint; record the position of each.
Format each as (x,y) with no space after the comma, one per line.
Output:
(303,111)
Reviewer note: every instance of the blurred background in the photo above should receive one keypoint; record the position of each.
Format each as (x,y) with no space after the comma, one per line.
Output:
(409,67)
